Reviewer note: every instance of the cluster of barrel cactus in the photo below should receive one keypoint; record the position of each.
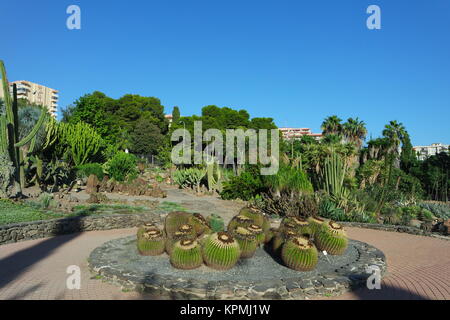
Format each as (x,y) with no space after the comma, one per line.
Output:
(190,242)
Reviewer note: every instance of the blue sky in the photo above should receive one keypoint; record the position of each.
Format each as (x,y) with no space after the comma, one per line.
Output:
(296,61)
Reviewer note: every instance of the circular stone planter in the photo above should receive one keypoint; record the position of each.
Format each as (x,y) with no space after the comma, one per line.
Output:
(261,277)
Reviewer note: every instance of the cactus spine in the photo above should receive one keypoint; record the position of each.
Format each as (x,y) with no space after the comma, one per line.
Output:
(221,251)
(186,254)
(299,254)
(9,124)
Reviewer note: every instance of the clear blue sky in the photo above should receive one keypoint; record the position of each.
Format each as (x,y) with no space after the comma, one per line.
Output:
(296,61)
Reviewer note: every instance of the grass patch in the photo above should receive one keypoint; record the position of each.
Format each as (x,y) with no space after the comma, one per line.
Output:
(11,212)
(167,206)
(96,209)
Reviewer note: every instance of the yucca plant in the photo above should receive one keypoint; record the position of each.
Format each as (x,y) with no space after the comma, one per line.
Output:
(221,251)
(151,243)
(332,238)
(186,254)
(247,242)
(300,254)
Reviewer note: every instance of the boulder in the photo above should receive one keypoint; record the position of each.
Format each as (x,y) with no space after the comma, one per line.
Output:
(104,184)
(97,198)
(446,227)
(92,184)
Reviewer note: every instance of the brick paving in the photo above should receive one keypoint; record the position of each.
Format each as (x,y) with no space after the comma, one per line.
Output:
(418,267)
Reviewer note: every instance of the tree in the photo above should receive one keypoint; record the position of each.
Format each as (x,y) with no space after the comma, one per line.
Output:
(175,115)
(146,138)
(332,125)
(354,131)
(395,133)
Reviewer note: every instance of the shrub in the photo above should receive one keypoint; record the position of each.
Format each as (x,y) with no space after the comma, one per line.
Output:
(85,170)
(245,186)
(122,166)
(440,210)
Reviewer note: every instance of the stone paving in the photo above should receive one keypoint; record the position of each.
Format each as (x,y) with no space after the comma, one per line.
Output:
(418,267)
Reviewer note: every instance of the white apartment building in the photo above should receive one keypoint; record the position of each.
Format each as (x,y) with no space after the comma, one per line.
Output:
(424,152)
(36,93)
(297,133)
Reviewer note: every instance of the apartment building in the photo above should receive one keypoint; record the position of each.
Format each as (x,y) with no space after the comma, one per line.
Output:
(37,94)
(424,152)
(297,133)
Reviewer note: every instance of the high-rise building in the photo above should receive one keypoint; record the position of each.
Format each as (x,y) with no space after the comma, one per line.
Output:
(36,94)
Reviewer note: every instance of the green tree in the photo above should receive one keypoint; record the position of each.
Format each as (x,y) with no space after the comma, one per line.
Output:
(146,138)
(175,115)
(332,125)
(354,131)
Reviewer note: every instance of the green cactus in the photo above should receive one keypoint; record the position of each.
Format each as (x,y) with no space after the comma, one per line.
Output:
(301,226)
(280,237)
(239,221)
(300,254)
(270,234)
(199,223)
(9,125)
(256,215)
(332,238)
(186,254)
(258,232)
(174,220)
(315,224)
(185,234)
(152,243)
(216,223)
(214,176)
(247,242)
(221,251)
(145,227)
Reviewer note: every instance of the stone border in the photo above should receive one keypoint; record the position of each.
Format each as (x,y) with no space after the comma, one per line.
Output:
(346,278)
(48,228)
(394,228)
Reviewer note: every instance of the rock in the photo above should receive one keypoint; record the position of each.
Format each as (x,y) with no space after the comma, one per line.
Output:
(93,184)
(104,184)
(97,198)
(415,223)
(446,227)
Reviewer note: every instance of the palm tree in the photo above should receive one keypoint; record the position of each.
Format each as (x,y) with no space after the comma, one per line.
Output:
(395,133)
(354,131)
(332,125)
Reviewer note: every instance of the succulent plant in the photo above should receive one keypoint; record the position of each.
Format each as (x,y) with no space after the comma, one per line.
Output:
(315,224)
(280,238)
(301,226)
(300,254)
(146,227)
(151,243)
(247,241)
(258,232)
(185,232)
(199,223)
(332,238)
(239,221)
(255,214)
(174,220)
(270,234)
(221,251)
(186,254)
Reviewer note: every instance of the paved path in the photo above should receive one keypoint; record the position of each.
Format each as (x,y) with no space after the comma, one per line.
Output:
(419,267)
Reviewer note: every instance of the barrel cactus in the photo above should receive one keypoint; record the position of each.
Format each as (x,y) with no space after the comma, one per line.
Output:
(239,221)
(146,227)
(258,232)
(174,220)
(221,251)
(152,243)
(247,242)
(280,238)
(299,254)
(301,226)
(186,254)
(270,234)
(185,232)
(199,223)
(315,224)
(256,215)
(332,238)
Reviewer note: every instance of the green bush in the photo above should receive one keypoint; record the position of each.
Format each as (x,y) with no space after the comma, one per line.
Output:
(85,170)
(440,210)
(122,166)
(245,186)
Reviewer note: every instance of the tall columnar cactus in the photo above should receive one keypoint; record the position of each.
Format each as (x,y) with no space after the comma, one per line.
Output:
(333,174)
(186,254)
(332,238)
(300,254)
(214,175)
(9,125)
(221,251)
